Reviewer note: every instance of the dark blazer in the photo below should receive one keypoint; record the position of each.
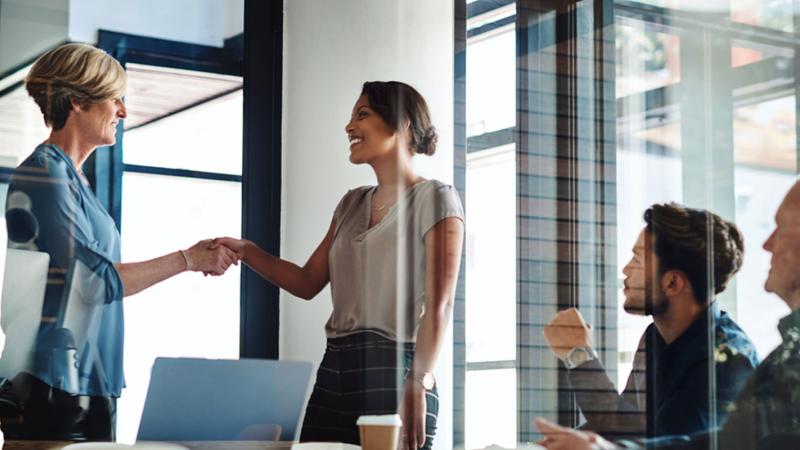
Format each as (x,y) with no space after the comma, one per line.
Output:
(672,379)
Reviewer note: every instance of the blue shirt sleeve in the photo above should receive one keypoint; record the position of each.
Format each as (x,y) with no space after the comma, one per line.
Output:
(66,229)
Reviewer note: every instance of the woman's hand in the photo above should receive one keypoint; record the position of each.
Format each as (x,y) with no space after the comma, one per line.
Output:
(412,411)
(209,259)
(236,245)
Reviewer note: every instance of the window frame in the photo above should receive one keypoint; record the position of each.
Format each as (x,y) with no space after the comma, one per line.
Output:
(260,182)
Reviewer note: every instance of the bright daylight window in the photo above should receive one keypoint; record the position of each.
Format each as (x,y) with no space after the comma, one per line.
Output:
(490,303)
(182,183)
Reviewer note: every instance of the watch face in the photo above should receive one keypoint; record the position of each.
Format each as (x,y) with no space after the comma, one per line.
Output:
(578,357)
(428,381)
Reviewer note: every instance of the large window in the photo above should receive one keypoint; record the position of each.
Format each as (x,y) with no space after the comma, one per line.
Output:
(732,97)
(180,184)
(490,305)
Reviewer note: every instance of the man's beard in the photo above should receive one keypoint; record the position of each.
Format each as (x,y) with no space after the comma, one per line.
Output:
(655,301)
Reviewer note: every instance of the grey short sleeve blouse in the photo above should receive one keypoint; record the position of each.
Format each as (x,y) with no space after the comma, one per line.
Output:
(378,274)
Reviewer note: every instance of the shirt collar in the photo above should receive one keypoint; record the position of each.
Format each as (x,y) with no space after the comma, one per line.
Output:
(789,326)
(59,152)
(698,327)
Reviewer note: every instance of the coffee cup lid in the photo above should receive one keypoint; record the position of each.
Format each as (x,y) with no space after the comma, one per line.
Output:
(385,420)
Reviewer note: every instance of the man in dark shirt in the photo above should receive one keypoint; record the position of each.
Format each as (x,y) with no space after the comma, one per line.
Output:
(666,278)
(767,413)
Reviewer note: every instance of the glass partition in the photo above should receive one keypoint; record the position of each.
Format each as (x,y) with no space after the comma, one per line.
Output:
(620,163)
(622,105)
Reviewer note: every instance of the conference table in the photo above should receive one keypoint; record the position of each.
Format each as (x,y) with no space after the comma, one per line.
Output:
(201,445)
(193,445)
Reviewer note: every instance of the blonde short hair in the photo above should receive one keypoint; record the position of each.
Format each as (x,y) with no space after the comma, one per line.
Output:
(73,72)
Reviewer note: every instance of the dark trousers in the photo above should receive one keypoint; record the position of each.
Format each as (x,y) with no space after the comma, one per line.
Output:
(360,374)
(52,414)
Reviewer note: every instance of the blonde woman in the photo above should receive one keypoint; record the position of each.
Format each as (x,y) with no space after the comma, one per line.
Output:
(79,90)
(392,255)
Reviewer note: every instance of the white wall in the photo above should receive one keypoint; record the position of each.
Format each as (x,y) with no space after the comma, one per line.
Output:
(206,22)
(330,48)
(28,28)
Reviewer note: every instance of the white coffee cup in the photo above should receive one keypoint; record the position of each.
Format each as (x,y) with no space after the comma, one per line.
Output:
(379,432)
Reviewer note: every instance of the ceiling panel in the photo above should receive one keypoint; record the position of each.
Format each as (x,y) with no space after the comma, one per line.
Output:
(153,93)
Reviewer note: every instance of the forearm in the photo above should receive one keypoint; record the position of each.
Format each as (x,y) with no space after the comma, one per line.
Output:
(431,334)
(606,411)
(286,275)
(139,276)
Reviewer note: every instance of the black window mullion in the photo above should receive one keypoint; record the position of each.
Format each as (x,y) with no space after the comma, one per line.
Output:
(261,170)
(181,173)
(103,169)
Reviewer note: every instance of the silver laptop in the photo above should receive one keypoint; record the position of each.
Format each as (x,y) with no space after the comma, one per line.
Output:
(225,400)
(24,285)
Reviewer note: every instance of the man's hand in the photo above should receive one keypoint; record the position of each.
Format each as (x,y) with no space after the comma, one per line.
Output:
(567,331)
(557,437)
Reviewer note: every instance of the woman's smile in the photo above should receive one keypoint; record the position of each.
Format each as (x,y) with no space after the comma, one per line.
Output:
(354,141)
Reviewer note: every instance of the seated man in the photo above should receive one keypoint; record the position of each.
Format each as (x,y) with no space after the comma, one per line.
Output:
(667,278)
(767,413)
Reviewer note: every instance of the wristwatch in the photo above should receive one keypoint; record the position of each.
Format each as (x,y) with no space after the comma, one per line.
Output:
(578,356)
(424,378)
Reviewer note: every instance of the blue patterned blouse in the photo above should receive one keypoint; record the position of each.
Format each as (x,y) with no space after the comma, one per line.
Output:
(82,302)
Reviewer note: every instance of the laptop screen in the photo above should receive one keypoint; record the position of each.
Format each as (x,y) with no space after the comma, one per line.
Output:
(225,400)
(24,285)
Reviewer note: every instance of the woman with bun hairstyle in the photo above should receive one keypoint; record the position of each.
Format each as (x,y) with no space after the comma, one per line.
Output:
(392,255)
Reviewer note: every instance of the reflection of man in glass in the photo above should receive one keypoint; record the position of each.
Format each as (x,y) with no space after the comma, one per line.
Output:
(767,412)
(667,278)
(69,390)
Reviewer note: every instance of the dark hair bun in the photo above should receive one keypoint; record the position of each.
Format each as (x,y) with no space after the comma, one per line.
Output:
(427,145)
(401,105)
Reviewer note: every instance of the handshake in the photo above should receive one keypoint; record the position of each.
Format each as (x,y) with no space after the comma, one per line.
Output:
(214,256)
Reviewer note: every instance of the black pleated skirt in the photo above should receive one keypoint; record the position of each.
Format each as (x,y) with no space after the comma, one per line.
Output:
(360,374)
